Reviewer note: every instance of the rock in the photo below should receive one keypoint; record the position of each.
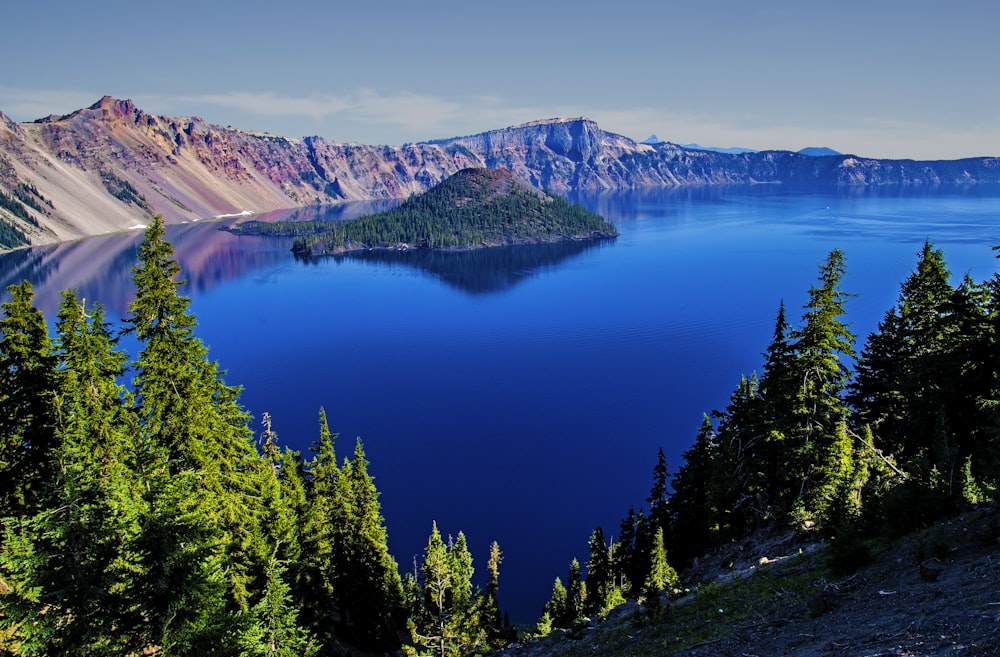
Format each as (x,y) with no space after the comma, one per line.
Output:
(931,569)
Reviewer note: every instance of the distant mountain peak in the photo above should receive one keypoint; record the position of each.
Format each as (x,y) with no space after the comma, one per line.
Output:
(818,151)
(114,106)
(731,150)
(652,140)
(553,121)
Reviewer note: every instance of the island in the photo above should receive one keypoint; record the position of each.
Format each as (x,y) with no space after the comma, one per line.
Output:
(472,209)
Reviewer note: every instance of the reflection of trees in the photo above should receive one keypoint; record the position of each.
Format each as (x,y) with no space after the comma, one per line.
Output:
(482,271)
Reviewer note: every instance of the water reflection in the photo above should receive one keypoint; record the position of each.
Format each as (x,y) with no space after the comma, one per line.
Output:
(480,271)
(99,268)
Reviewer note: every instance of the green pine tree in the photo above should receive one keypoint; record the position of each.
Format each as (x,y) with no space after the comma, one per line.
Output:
(27,386)
(662,576)
(823,345)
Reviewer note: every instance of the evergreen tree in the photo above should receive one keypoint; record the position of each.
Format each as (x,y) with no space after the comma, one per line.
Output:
(600,578)
(275,630)
(695,520)
(436,628)
(659,510)
(75,560)
(662,576)
(899,387)
(199,463)
(322,522)
(27,386)
(734,485)
(778,389)
(491,621)
(368,587)
(576,596)
(555,609)
(822,345)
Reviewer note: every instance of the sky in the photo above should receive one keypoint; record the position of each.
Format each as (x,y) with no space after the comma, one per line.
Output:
(879,78)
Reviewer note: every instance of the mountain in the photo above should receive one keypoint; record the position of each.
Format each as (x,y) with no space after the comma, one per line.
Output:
(652,140)
(731,150)
(111,166)
(818,151)
(473,208)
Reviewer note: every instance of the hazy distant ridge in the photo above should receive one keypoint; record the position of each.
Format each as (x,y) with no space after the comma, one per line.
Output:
(109,167)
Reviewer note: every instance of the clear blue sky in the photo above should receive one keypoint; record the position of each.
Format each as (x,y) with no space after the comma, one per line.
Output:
(881,78)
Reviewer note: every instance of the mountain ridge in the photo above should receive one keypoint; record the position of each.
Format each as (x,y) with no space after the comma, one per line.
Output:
(111,166)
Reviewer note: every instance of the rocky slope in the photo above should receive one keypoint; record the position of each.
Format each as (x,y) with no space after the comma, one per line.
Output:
(933,594)
(109,167)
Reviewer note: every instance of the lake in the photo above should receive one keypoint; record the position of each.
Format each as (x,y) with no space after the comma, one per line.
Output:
(520,394)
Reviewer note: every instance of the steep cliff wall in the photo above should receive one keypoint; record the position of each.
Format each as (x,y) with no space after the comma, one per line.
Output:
(112,166)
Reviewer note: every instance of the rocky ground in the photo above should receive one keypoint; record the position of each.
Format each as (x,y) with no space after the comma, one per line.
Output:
(932,594)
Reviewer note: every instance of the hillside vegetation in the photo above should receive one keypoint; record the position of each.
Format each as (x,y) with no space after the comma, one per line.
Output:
(471,209)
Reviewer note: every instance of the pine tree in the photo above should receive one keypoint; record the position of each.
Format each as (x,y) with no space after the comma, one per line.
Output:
(323,520)
(822,345)
(734,487)
(555,608)
(659,509)
(275,631)
(662,576)
(199,463)
(369,590)
(491,621)
(778,389)
(27,386)
(576,596)
(900,388)
(695,520)
(75,559)
(436,629)
(600,579)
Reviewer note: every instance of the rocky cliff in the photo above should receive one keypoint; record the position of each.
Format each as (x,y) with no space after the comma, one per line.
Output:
(109,167)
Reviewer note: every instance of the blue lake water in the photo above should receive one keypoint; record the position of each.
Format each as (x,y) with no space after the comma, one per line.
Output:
(520,395)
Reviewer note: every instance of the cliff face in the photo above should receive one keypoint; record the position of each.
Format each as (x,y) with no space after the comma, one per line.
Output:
(111,166)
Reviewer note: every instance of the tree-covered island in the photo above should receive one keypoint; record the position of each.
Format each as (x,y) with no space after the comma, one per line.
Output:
(472,209)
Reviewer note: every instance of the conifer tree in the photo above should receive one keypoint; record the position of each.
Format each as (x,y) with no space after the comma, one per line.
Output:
(436,628)
(555,608)
(27,386)
(491,621)
(659,508)
(199,462)
(321,524)
(899,388)
(576,596)
(662,576)
(275,631)
(600,578)
(369,590)
(778,389)
(75,559)
(694,517)
(734,483)
(822,345)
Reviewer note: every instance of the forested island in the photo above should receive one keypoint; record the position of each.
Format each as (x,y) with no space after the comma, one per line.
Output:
(141,513)
(474,208)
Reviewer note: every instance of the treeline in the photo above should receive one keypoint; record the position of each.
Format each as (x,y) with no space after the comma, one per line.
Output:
(907,436)
(474,207)
(150,518)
